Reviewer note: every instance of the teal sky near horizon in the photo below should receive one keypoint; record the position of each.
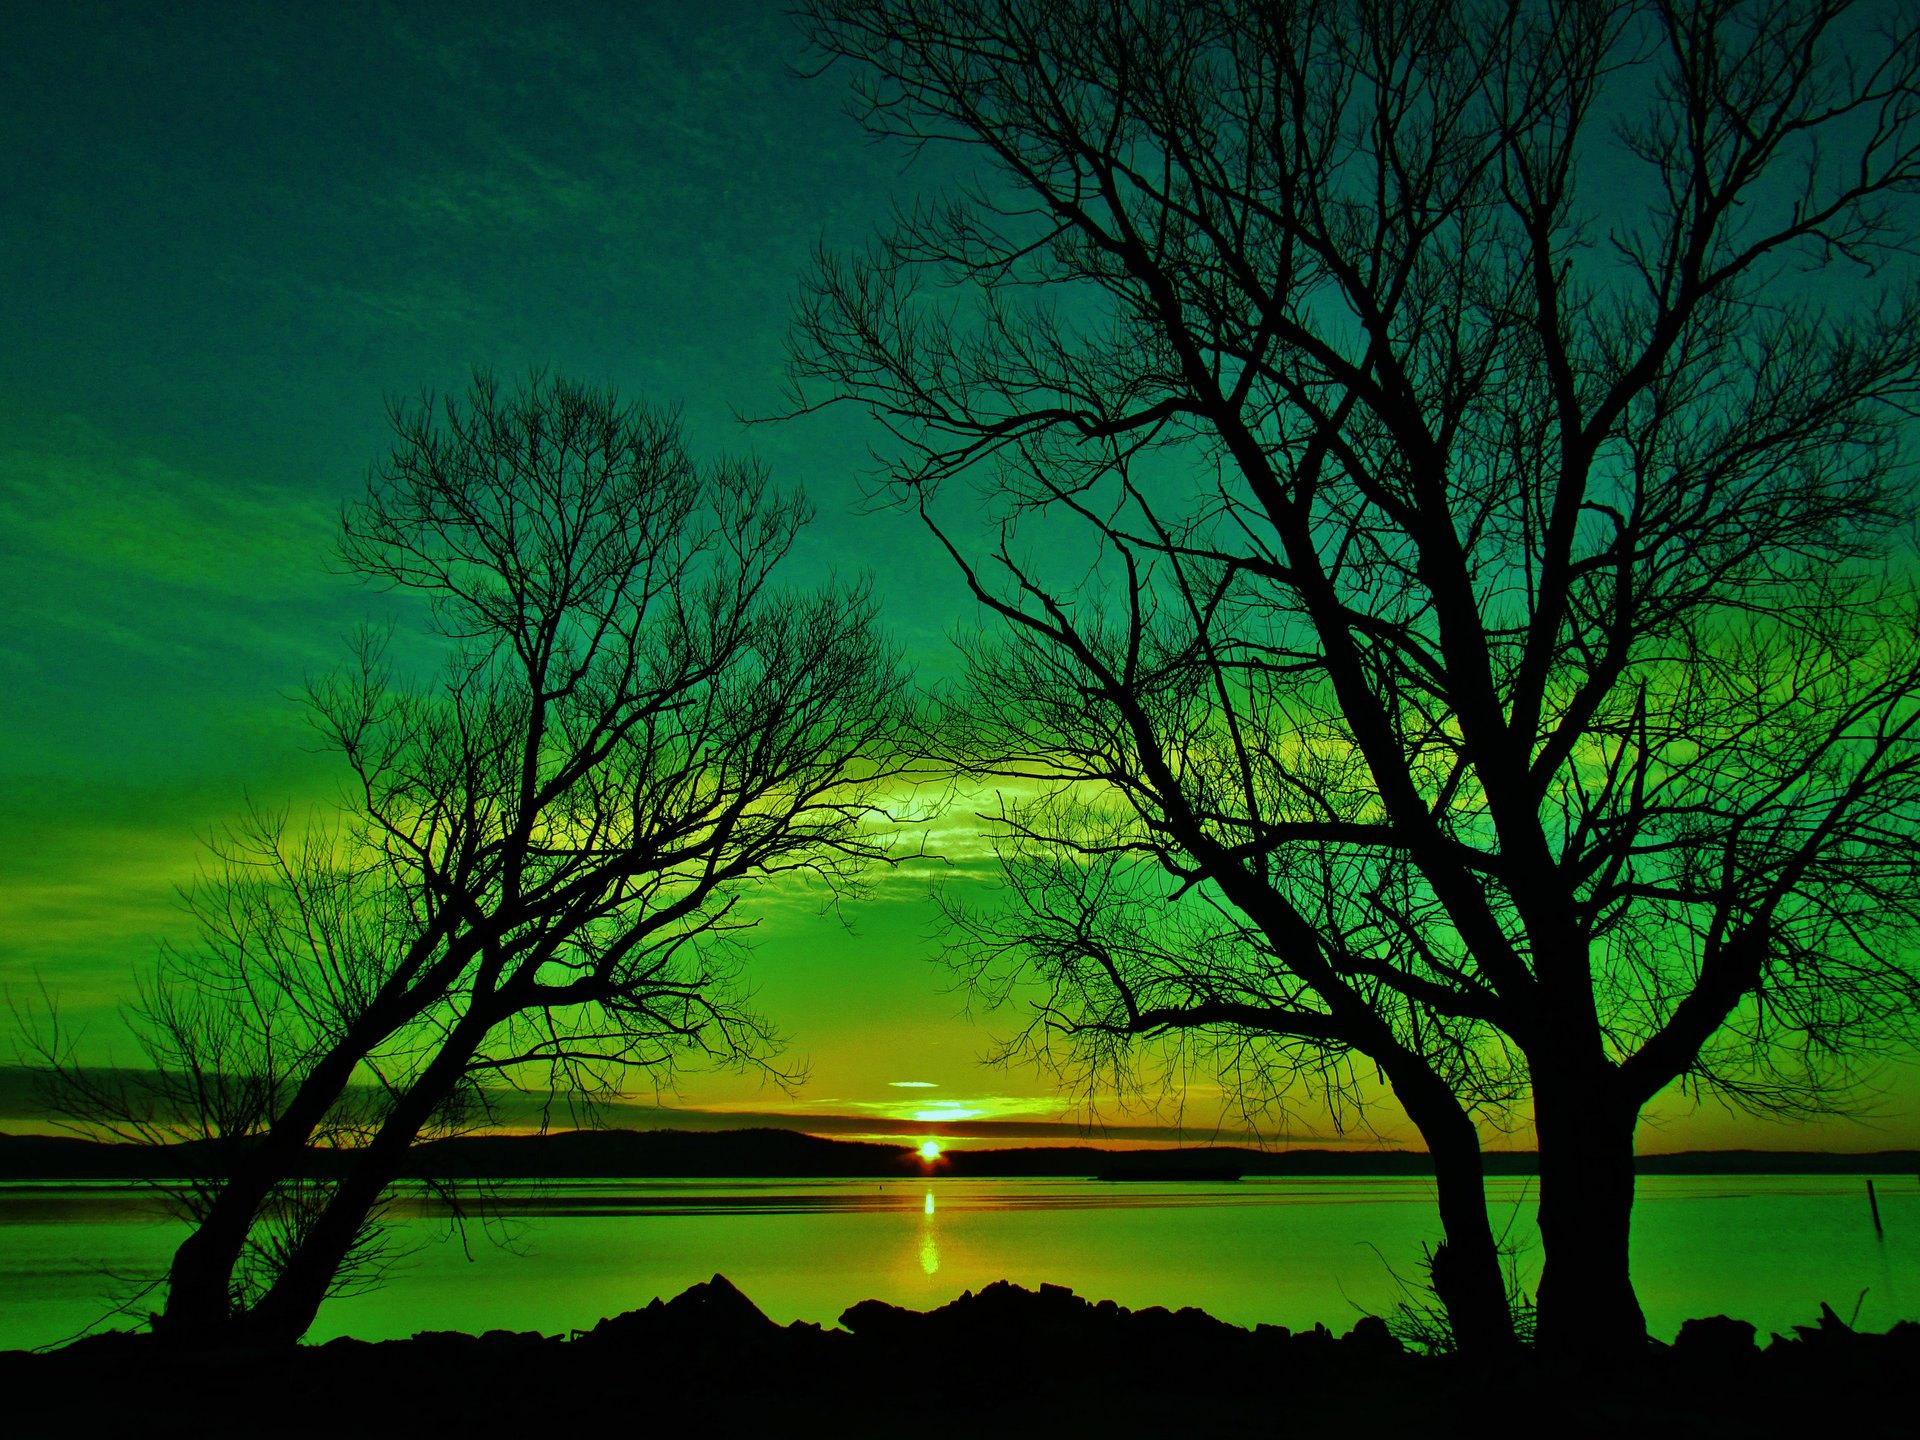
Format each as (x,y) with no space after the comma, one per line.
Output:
(232,233)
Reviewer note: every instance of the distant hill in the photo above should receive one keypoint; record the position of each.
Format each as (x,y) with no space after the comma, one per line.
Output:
(725,1154)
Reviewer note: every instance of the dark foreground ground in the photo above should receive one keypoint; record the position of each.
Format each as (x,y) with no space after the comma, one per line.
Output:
(1006,1361)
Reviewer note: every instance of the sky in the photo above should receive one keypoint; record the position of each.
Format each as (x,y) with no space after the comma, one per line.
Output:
(232,234)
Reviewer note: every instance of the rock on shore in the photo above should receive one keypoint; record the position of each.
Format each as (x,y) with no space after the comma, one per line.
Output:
(1004,1361)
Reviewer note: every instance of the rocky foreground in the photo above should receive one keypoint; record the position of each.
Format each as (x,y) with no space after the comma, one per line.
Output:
(1005,1361)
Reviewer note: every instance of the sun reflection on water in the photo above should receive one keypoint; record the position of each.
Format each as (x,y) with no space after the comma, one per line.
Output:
(929,1241)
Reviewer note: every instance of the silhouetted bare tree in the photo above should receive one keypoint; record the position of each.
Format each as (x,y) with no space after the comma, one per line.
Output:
(1443,457)
(289,930)
(538,872)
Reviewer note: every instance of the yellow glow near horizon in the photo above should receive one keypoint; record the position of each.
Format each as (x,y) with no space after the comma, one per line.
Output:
(929,1150)
(947,1112)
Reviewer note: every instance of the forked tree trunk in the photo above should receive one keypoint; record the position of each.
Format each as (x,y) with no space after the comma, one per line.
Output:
(1587,1306)
(287,1310)
(199,1309)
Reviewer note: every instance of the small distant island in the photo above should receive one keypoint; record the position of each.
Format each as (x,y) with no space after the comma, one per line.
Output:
(769,1153)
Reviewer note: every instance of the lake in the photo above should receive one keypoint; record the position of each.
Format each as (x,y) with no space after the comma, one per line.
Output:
(1284,1251)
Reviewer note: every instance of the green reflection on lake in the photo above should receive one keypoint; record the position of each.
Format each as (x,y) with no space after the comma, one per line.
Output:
(1288,1252)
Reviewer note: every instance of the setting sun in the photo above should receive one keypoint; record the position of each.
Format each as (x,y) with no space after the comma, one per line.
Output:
(929,1150)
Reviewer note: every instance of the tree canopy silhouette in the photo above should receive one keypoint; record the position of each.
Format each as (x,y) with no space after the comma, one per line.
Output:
(1443,467)
(536,877)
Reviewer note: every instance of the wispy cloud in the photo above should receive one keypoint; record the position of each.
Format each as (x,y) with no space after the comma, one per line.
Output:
(70,492)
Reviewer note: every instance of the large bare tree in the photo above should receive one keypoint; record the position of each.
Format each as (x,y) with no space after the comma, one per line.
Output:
(536,877)
(1442,467)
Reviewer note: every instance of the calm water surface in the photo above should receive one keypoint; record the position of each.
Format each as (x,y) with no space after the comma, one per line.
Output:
(1289,1252)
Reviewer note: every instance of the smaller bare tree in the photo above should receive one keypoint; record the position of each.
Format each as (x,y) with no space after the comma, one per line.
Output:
(538,872)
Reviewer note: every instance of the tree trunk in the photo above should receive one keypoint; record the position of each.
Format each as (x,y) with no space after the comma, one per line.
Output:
(1466,1272)
(287,1310)
(199,1309)
(200,1278)
(1587,1306)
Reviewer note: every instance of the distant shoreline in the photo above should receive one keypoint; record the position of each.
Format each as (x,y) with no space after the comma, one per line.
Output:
(771,1154)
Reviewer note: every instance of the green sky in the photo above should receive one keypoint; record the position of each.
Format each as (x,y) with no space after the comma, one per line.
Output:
(230,234)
